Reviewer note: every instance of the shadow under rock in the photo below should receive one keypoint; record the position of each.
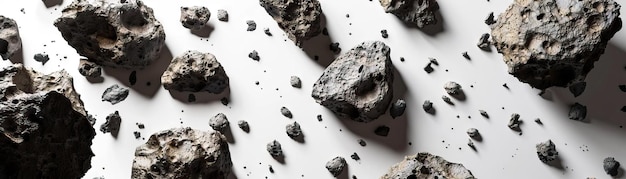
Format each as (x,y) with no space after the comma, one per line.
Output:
(200,97)
(431,29)
(397,139)
(148,79)
(50,3)
(318,47)
(203,32)
(345,174)
(18,57)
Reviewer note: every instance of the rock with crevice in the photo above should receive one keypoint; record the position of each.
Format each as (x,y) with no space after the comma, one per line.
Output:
(89,69)
(554,42)
(546,151)
(10,40)
(419,13)
(117,34)
(426,165)
(45,132)
(183,153)
(358,84)
(300,19)
(195,71)
(194,17)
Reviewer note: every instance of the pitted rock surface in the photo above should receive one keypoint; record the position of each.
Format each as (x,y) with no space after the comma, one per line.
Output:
(10,40)
(194,71)
(426,166)
(194,17)
(300,19)
(414,12)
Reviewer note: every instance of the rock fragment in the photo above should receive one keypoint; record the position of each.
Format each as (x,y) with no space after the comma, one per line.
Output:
(267,32)
(295,82)
(112,124)
(470,143)
(222,15)
(577,88)
(473,133)
(89,69)
(382,131)
(544,48)
(122,34)
(115,94)
(334,47)
(483,42)
(301,20)
(183,153)
(286,112)
(490,19)
(611,166)
(484,113)
(10,40)
(274,149)
(42,58)
(194,17)
(243,125)
(426,165)
(514,122)
(195,71)
(362,142)
(336,166)
(397,108)
(447,99)
(219,122)
(384,33)
(355,156)
(36,107)
(577,112)
(419,13)
(293,130)
(358,84)
(546,151)
(251,25)
(452,88)
(427,106)
(466,56)
(254,55)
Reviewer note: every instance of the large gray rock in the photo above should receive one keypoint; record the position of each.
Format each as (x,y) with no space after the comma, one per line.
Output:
(194,71)
(358,84)
(414,12)
(121,34)
(44,128)
(426,166)
(10,41)
(554,42)
(194,17)
(182,153)
(300,19)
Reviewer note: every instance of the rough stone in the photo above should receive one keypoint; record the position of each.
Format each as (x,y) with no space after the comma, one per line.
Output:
(414,12)
(219,122)
(45,132)
(274,149)
(293,130)
(89,69)
(447,99)
(546,151)
(334,47)
(382,131)
(554,42)
(397,108)
(194,17)
(194,71)
(286,112)
(577,88)
(183,153)
(251,25)
(122,34)
(484,113)
(358,84)
(362,142)
(384,33)
(452,88)
(466,56)
(355,156)
(470,143)
(490,19)
(40,57)
(472,132)
(112,124)
(254,55)
(267,31)
(10,40)
(222,15)
(295,82)
(578,112)
(336,166)
(243,125)
(514,122)
(427,106)
(301,20)
(611,166)
(426,165)
(115,94)
(483,42)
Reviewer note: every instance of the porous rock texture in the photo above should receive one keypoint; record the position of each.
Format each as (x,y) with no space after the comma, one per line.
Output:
(10,40)
(358,84)
(122,34)
(300,19)
(194,17)
(194,71)
(44,126)
(426,166)
(182,153)
(546,151)
(89,69)
(414,12)
(554,42)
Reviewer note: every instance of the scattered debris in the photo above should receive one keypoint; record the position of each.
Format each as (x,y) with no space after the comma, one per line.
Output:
(286,112)
(251,25)
(194,17)
(334,47)
(274,149)
(484,113)
(222,15)
(397,108)
(301,20)
(362,142)
(115,94)
(384,33)
(40,57)
(473,133)
(319,117)
(355,156)
(267,32)
(505,86)
(141,126)
(611,166)
(483,42)
(254,55)
(137,134)
(295,82)
(414,12)
(490,19)
(577,112)
(426,165)
(514,122)
(577,88)
(89,69)
(470,143)
(453,88)
(428,106)
(336,166)
(433,61)
(91,119)
(382,131)
(112,124)
(10,40)
(447,99)
(428,68)
(547,151)
(195,71)
(271,168)
(293,129)
(538,121)
(243,125)
(466,56)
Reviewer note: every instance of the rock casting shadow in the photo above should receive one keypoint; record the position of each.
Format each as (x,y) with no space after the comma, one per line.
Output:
(204,31)
(18,57)
(50,3)
(432,29)
(228,133)
(397,138)
(201,97)
(320,46)
(150,75)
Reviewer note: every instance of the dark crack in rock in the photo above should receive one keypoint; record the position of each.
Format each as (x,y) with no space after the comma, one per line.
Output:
(41,57)
(483,42)
(115,94)
(183,153)
(295,82)
(194,17)
(425,165)
(112,124)
(293,130)
(336,166)
(112,33)
(10,40)
(195,71)
(414,12)
(89,69)
(358,84)
(300,19)
(397,108)
(219,122)
(546,151)
(286,112)
(274,149)
(243,125)
(222,15)
(44,126)
(552,42)
(577,112)
(611,166)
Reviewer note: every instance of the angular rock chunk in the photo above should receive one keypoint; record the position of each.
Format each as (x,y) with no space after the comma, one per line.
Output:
(89,69)
(611,166)
(425,165)
(473,133)
(115,94)
(293,130)
(243,125)
(336,166)
(219,122)
(222,15)
(194,17)
(10,40)
(546,151)
(483,42)
(274,149)
(194,71)
(183,153)
(452,88)
(553,42)
(300,19)
(122,34)
(44,129)
(415,12)
(42,58)
(295,82)
(514,122)
(358,84)
(577,112)
(397,108)
(112,124)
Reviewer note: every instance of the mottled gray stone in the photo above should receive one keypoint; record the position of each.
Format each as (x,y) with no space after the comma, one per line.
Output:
(295,82)
(112,124)
(397,108)
(554,42)
(611,166)
(358,84)
(483,42)
(251,25)
(300,19)
(472,132)
(219,122)
(89,69)
(336,165)
(122,34)
(194,71)
(183,153)
(293,130)
(286,112)
(115,94)
(194,17)
(514,122)
(414,12)
(243,125)
(452,88)
(578,88)
(274,149)
(427,106)
(222,15)
(427,166)
(10,40)
(546,151)
(577,112)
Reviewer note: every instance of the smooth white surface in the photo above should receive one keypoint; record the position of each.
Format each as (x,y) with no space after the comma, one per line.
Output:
(503,153)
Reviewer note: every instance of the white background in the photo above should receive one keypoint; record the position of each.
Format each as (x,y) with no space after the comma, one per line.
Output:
(503,153)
